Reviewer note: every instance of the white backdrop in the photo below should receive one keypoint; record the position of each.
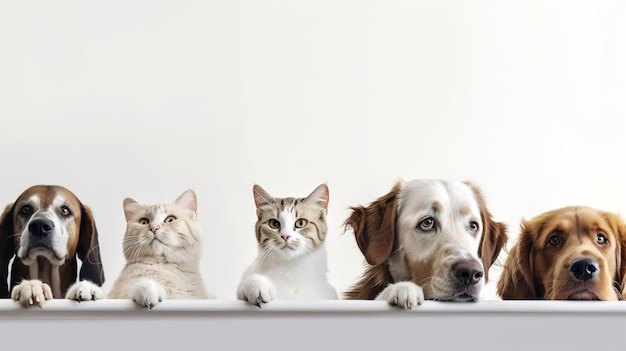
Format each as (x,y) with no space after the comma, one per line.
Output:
(145,99)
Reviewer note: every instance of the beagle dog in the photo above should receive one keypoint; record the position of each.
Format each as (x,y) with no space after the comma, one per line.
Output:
(46,231)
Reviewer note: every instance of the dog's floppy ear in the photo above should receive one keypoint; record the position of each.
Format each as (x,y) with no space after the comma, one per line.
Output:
(621,255)
(374,226)
(494,236)
(7,248)
(89,249)
(516,281)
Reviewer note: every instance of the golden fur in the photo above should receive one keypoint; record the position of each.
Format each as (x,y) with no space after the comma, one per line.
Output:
(545,263)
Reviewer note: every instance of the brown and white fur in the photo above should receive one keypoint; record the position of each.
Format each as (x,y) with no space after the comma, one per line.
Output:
(425,239)
(291,262)
(569,253)
(46,230)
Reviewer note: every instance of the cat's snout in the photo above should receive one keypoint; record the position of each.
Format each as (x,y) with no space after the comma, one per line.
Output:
(153,229)
(285,237)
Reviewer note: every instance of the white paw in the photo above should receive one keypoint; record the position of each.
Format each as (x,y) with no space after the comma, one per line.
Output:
(84,290)
(403,294)
(148,293)
(256,289)
(30,292)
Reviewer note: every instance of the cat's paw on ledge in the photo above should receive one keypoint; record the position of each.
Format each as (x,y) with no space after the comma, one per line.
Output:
(148,293)
(84,290)
(256,289)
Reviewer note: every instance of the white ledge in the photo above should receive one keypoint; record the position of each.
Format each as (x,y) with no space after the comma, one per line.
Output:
(9,308)
(316,325)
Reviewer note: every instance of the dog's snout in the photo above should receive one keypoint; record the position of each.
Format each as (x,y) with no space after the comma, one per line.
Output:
(468,272)
(584,268)
(41,227)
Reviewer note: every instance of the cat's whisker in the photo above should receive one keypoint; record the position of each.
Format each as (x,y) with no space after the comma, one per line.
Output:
(266,252)
(134,249)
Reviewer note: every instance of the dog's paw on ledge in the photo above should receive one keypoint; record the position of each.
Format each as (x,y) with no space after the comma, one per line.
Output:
(31,292)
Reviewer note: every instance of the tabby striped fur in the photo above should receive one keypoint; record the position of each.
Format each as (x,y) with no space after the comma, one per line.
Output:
(291,261)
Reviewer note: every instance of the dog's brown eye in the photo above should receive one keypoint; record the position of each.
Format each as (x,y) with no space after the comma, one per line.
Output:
(170,219)
(427,224)
(26,210)
(301,223)
(274,223)
(601,239)
(554,240)
(65,211)
(144,221)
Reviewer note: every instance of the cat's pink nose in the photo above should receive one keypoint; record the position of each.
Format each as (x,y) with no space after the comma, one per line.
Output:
(154,229)
(285,236)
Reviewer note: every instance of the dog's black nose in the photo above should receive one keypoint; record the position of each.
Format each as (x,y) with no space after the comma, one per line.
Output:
(41,227)
(468,272)
(584,268)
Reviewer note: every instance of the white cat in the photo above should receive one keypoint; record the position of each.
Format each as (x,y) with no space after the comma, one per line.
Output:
(291,261)
(162,247)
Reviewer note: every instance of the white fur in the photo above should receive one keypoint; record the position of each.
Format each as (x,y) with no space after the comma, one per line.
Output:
(30,292)
(291,263)
(453,206)
(58,238)
(404,294)
(84,290)
(148,292)
(147,282)
(271,277)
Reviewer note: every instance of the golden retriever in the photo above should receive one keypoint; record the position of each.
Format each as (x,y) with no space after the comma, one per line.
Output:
(425,239)
(570,253)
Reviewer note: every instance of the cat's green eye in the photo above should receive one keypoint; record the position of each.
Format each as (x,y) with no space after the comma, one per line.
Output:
(301,223)
(274,223)
(144,221)
(170,219)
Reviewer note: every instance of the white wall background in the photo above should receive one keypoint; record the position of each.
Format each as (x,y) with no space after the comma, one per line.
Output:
(145,99)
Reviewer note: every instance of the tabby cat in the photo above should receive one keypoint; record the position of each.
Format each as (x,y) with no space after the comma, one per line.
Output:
(162,247)
(291,260)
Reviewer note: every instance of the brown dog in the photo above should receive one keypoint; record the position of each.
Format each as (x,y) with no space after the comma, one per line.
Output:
(570,253)
(432,239)
(47,229)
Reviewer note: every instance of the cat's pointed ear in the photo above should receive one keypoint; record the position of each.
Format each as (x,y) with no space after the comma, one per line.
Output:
(319,196)
(131,206)
(189,201)
(261,197)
